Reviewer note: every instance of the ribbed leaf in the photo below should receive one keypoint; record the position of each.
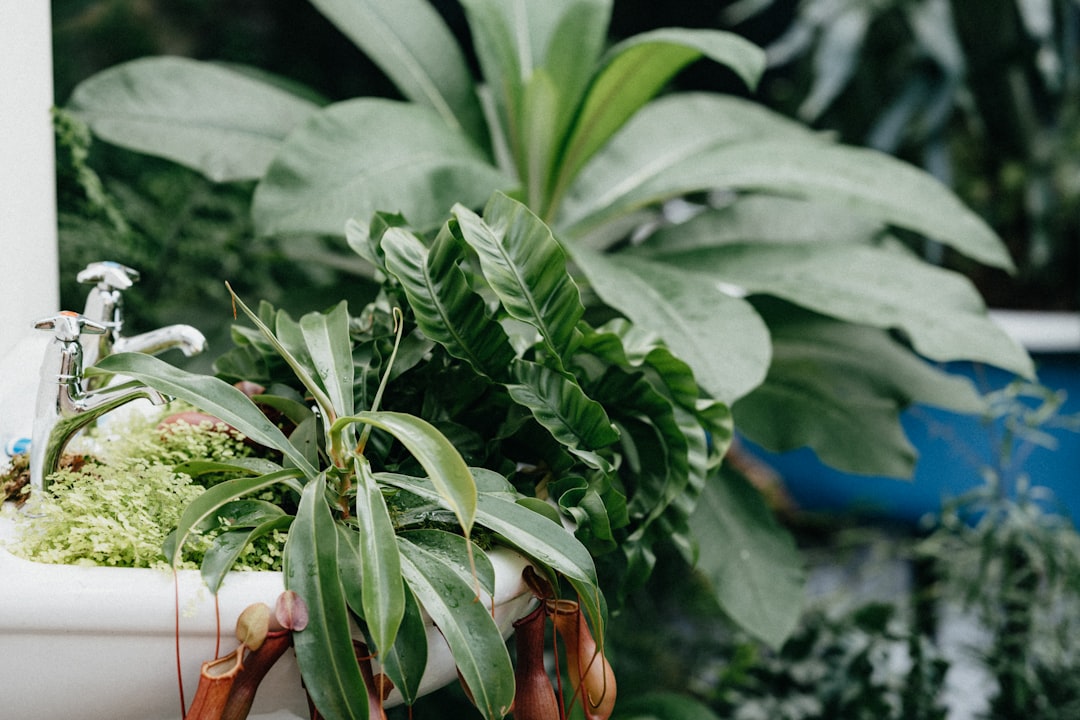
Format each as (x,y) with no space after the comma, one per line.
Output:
(445,307)
(635,71)
(363,156)
(383,590)
(472,635)
(526,268)
(754,568)
(210,395)
(324,649)
(448,472)
(222,123)
(693,317)
(409,42)
(560,405)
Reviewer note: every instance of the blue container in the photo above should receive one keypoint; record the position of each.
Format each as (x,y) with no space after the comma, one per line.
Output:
(953,451)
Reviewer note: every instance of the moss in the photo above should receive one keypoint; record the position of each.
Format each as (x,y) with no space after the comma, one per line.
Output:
(118,507)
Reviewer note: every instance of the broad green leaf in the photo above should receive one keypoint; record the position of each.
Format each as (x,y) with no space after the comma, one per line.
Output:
(361,156)
(671,131)
(324,649)
(559,404)
(241,466)
(664,706)
(938,310)
(205,506)
(470,563)
(448,472)
(531,533)
(406,661)
(634,71)
(411,43)
(752,563)
(474,640)
(539,118)
(839,389)
(225,124)
(526,268)
(720,337)
(383,590)
(227,547)
(866,182)
(445,306)
(210,395)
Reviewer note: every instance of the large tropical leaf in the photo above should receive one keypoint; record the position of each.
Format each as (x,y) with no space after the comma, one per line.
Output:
(938,310)
(361,156)
(635,70)
(526,268)
(444,304)
(324,649)
(667,133)
(223,123)
(210,395)
(840,388)
(721,337)
(409,41)
(758,576)
(472,635)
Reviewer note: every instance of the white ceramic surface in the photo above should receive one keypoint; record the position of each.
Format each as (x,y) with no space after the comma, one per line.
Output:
(98,642)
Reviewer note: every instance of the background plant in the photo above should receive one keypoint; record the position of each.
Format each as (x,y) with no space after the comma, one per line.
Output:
(982,95)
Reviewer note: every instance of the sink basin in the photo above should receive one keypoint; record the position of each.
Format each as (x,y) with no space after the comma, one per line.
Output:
(100,642)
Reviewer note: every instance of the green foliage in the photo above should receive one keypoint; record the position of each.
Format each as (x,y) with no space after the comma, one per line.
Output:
(372,488)
(116,506)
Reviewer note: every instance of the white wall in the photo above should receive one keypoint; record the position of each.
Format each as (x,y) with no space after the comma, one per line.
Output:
(28,255)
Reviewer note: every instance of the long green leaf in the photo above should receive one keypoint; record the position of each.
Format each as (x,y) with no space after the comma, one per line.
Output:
(382,587)
(526,268)
(448,472)
(405,662)
(225,124)
(635,71)
(227,547)
(445,306)
(753,564)
(324,649)
(693,317)
(205,506)
(410,42)
(531,533)
(210,395)
(369,155)
(466,623)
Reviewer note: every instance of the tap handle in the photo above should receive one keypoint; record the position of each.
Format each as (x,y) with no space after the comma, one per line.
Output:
(68,325)
(108,275)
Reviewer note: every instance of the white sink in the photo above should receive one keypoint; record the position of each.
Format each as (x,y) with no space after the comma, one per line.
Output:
(100,642)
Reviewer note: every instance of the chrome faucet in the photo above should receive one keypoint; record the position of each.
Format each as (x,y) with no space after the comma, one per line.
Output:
(104,306)
(63,405)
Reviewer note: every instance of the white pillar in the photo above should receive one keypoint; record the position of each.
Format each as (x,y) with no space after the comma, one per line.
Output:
(29,279)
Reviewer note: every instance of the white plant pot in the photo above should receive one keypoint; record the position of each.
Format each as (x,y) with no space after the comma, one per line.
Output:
(100,642)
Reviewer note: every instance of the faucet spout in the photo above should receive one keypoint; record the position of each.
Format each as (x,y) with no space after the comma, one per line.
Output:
(183,337)
(63,406)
